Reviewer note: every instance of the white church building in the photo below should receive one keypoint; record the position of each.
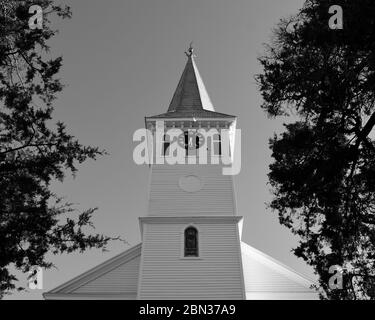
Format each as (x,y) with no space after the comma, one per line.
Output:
(191,235)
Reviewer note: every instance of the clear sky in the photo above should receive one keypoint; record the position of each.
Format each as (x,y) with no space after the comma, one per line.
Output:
(122,62)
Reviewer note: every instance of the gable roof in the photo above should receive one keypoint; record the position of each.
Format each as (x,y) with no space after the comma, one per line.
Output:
(116,278)
(267,278)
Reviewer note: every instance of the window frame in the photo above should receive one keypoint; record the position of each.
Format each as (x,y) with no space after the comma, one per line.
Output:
(199,249)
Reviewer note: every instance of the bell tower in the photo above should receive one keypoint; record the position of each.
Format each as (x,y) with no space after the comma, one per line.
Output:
(191,234)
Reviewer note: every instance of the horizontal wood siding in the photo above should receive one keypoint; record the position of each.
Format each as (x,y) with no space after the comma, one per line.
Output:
(166,198)
(281,296)
(122,279)
(260,278)
(266,278)
(167,275)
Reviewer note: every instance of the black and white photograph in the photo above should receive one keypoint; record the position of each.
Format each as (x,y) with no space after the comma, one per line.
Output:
(188,150)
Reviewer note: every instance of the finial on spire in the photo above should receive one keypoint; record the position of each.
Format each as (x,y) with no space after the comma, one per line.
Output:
(190,51)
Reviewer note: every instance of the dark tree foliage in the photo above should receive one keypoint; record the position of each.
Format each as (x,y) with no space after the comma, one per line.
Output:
(33,152)
(323,173)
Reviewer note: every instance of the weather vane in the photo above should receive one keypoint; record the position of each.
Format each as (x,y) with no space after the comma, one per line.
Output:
(190,51)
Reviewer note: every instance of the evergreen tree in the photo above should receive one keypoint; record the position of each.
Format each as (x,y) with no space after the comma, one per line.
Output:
(34,151)
(323,173)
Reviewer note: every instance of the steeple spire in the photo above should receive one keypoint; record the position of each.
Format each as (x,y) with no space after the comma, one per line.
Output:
(190,94)
(190,51)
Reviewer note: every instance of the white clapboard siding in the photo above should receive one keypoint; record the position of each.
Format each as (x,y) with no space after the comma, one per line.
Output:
(116,278)
(266,278)
(122,279)
(166,198)
(209,278)
(165,274)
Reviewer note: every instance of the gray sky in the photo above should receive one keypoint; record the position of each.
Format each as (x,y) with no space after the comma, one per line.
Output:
(122,61)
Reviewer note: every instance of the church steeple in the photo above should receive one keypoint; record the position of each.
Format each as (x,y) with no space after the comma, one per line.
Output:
(191,93)
(190,99)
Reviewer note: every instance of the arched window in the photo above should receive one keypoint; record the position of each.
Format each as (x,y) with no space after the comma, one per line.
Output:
(191,242)
(186,143)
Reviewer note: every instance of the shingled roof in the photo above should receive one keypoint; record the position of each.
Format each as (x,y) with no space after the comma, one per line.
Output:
(191,98)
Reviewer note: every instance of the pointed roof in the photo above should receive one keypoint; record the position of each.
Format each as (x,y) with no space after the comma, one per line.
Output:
(191,98)
(190,92)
